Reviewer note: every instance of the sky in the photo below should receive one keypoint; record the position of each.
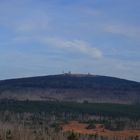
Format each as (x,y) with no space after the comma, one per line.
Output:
(43,37)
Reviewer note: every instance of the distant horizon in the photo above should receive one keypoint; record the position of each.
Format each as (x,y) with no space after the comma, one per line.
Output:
(71,73)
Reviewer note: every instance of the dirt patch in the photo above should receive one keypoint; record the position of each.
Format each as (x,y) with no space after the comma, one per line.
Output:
(82,129)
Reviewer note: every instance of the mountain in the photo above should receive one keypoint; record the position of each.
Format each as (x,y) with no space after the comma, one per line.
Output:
(72,87)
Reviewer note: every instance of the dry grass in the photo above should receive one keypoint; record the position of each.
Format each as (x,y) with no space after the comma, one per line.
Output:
(18,132)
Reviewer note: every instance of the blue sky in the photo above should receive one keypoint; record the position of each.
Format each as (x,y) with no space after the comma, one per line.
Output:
(41,37)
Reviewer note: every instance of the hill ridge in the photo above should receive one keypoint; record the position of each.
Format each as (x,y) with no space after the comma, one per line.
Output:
(71,87)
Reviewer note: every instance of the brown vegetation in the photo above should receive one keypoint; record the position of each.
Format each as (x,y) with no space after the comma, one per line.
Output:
(82,129)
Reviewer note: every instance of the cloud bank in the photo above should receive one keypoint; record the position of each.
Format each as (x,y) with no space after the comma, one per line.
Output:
(75,46)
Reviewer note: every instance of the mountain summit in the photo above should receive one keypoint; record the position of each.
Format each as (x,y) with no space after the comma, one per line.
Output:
(71,87)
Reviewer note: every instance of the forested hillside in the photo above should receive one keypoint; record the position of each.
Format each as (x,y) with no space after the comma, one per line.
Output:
(72,87)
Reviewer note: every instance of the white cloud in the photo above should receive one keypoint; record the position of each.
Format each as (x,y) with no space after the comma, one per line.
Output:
(126,30)
(75,45)
(28,25)
(32,24)
(19,18)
